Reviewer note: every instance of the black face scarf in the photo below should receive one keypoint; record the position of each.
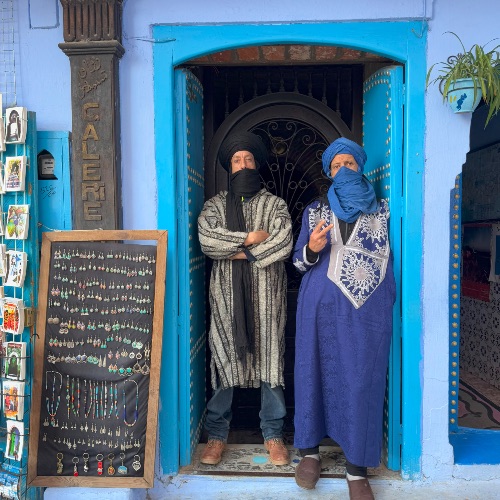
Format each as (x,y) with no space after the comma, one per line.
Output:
(243,184)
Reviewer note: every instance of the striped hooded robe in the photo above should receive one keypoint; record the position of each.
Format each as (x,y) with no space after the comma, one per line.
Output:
(267,212)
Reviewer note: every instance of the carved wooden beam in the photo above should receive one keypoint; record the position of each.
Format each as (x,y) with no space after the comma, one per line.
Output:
(92,34)
(95,20)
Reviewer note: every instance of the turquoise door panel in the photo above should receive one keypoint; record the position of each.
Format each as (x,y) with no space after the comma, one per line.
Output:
(191,319)
(54,194)
(383,142)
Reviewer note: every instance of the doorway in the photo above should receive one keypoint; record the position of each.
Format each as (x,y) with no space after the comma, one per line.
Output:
(188,42)
(474,409)
(288,108)
(293,119)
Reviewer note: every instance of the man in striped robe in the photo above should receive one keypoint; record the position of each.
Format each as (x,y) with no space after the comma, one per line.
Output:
(247,231)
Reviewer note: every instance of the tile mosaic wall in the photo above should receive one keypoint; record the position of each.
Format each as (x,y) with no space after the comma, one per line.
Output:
(480,336)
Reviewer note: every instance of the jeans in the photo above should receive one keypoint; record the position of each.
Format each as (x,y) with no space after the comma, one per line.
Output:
(272,412)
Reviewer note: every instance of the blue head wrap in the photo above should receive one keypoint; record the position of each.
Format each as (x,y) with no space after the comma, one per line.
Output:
(350,194)
(343,146)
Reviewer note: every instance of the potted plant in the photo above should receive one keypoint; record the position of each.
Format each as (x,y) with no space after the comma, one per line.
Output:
(467,77)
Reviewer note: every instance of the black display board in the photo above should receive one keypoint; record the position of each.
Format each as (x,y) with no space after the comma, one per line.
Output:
(97,368)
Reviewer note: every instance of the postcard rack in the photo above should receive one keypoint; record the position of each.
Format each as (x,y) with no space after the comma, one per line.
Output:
(17,372)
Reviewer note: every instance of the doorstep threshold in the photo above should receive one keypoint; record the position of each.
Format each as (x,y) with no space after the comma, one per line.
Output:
(252,460)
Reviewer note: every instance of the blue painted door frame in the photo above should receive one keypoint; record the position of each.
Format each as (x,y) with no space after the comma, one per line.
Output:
(401,41)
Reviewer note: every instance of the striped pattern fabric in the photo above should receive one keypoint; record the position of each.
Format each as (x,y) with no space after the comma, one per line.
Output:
(263,212)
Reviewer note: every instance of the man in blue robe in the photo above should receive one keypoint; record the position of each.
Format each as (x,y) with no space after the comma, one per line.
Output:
(344,321)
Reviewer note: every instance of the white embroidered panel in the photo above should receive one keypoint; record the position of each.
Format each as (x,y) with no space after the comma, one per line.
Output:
(358,267)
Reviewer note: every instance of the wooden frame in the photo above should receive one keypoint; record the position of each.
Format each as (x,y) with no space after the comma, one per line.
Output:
(105,480)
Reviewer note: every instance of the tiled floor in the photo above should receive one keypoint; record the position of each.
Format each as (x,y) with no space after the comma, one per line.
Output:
(245,454)
(252,460)
(488,390)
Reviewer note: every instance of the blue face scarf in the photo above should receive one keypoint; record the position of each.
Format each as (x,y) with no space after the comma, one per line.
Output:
(351,195)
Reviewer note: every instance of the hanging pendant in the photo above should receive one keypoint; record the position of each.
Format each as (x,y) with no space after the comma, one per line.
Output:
(122,469)
(136,464)
(59,464)
(75,469)
(99,457)
(85,462)
(111,469)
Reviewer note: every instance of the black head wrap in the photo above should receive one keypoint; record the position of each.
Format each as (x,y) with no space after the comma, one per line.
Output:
(242,141)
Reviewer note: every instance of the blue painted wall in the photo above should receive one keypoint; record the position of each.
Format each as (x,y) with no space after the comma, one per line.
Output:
(43,85)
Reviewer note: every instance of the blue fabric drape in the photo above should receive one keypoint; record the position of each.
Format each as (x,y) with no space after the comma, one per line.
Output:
(351,195)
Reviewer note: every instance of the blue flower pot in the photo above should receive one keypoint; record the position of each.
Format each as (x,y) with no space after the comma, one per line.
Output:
(461,96)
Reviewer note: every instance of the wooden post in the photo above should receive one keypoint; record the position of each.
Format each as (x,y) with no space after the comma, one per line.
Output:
(92,41)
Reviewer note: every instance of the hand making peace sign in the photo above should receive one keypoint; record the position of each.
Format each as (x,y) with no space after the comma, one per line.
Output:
(317,240)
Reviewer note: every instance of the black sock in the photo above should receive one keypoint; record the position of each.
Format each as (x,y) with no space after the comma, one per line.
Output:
(308,451)
(356,470)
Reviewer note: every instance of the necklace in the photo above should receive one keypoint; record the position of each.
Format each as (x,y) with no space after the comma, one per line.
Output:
(78,398)
(75,407)
(86,411)
(75,401)
(110,399)
(116,401)
(136,412)
(85,397)
(104,392)
(53,406)
(96,406)
(68,398)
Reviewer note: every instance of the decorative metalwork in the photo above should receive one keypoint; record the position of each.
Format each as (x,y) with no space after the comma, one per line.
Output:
(294,171)
(331,86)
(286,107)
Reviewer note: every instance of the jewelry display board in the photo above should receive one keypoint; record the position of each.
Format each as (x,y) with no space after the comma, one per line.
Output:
(97,361)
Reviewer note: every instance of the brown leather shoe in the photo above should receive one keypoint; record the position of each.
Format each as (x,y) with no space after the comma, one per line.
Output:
(278,453)
(360,489)
(212,453)
(307,473)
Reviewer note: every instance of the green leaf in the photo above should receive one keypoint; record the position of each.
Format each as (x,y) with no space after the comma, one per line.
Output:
(482,66)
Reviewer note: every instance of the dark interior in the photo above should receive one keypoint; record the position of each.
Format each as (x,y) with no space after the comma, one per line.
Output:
(297,111)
